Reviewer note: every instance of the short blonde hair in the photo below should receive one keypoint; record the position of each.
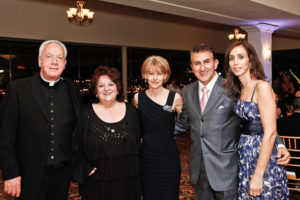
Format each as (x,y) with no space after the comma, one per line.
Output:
(156,62)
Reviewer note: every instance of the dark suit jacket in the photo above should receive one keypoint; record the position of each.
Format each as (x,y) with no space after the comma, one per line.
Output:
(214,134)
(24,129)
(290,126)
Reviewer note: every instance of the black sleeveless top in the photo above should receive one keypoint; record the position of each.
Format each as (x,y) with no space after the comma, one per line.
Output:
(157,123)
(160,159)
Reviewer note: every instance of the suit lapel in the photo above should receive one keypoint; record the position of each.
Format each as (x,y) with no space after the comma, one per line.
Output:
(215,95)
(195,95)
(37,93)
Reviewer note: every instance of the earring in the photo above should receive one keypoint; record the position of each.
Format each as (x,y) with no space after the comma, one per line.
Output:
(97,96)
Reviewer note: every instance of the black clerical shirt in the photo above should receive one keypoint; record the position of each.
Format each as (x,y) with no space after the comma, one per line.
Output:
(61,122)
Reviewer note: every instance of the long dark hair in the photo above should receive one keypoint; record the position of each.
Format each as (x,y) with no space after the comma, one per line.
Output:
(232,83)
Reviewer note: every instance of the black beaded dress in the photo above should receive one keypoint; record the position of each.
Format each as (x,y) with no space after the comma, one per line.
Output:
(113,148)
(160,159)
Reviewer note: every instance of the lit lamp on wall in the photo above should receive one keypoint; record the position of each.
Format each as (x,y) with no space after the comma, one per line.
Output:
(236,35)
(267,53)
(80,15)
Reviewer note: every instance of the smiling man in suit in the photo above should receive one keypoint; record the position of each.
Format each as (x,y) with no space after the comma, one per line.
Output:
(214,130)
(38,129)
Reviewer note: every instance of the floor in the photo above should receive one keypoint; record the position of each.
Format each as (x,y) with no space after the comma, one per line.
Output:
(186,190)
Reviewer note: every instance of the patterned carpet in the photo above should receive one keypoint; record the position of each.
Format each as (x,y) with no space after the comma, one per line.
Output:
(186,190)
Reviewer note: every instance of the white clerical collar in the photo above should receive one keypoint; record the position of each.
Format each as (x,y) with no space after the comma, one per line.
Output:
(51,83)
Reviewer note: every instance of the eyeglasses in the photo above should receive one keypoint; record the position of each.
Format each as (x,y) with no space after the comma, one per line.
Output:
(51,57)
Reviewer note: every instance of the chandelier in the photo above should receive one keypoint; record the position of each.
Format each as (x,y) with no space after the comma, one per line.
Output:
(236,36)
(80,15)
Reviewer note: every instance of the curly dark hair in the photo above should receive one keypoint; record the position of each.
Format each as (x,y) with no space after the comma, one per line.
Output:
(232,83)
(113,73)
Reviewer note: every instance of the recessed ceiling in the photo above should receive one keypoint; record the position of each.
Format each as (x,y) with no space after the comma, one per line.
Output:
(284,14)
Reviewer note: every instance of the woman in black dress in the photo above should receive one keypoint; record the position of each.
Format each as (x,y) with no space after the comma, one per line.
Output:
(109,165)
(157,107)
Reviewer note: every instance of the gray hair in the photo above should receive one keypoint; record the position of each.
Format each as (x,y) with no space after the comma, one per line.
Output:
(44,44)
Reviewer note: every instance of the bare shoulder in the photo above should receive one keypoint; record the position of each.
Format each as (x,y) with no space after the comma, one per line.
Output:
(135,99)
(178,97)
(264,90)
(263,86)
(165,92)
(177,104)
(136,95)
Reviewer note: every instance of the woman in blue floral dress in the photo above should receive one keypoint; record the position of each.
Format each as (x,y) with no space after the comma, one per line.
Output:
(260,177)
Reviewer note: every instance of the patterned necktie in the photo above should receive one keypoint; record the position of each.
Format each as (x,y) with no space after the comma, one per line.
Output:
(204,98)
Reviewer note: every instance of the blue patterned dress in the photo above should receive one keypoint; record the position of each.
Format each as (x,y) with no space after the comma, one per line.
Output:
(275,180)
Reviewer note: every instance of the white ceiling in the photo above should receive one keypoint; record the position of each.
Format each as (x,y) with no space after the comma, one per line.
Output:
(283,13)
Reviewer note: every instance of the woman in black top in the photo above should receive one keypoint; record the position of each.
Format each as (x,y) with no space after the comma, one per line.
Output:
(109,165)
(157,107)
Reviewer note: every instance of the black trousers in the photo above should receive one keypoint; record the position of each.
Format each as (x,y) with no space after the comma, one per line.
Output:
(56,183)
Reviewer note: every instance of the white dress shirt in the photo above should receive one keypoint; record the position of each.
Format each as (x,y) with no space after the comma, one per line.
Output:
(209,86)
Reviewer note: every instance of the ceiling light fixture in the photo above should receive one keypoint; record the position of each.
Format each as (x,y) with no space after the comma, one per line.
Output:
(80,15)
(236,36)
(8,56)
